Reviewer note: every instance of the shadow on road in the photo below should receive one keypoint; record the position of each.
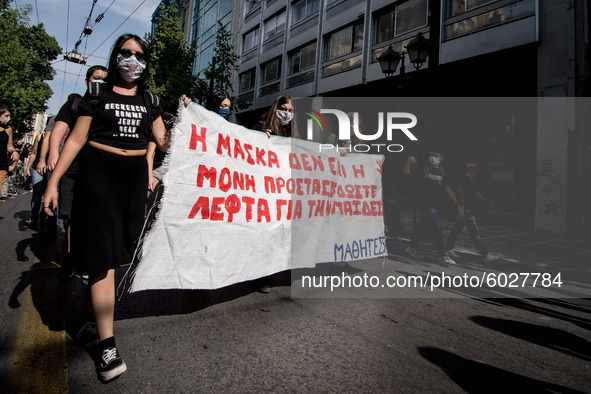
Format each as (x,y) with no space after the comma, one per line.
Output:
(548,337)
(22,216)
(476,377)
(553,313)
(47,290)
(175,302)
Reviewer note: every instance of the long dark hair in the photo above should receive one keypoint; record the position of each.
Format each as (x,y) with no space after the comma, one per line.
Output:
(271,120)
(143,82)
(214,101)
(3,109)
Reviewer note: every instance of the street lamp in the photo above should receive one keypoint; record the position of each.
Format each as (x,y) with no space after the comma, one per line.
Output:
(417,51)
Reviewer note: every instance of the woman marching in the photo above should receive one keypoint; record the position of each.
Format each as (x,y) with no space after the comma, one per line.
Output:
(110,188)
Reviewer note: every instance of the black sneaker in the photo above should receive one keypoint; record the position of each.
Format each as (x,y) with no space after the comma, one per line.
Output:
(88,335)
(110,365)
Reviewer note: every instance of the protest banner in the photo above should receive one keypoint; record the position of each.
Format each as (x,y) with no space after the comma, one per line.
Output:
(238,205)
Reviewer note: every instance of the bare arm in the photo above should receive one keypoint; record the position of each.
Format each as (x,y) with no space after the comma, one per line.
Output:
(73,145)
(406,167)
(159,134)
(10,146)
(42,166)
(452,196)
(59,130)
(33,155)
(150,160)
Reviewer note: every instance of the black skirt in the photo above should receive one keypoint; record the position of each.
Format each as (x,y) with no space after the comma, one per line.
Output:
(108,210)
(66,197)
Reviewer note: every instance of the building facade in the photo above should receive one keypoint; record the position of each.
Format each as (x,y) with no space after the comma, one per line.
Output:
(538,167)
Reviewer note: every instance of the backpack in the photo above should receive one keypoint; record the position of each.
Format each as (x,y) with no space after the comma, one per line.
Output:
(75,98)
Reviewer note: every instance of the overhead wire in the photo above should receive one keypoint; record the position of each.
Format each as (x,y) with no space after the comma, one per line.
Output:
(37,9)
(78,78)
(67,34)
(86,25)
(67,72)
(106,39)
(86,31)
(79,42)
(102,15)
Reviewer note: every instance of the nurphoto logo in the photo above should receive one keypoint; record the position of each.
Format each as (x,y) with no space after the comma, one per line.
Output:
(390,121)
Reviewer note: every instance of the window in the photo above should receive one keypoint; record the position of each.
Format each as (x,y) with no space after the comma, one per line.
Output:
(302,58)
(344,41)
(226,6)
(406,17)
(301,65)
(205,58)
(411,15)
(385,26)
(209,18)
(271,71)
(274,25)
(249,5)
(247,80)
(250,40)
(493,17)
(457,7)
(303,8)
(270,77)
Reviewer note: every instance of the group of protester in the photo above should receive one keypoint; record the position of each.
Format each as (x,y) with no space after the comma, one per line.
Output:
(105,151)
(431,190)
(13,158)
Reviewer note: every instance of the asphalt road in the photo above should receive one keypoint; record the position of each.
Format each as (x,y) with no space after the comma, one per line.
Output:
(238,340)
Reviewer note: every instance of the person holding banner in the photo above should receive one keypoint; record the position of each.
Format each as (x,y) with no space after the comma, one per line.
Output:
(155,159)
(220,103)
(278,119)
(110,190)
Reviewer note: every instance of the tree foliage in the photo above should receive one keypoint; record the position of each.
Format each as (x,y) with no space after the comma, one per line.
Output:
(172,60)
(226,60)
(226,63)
(26,53)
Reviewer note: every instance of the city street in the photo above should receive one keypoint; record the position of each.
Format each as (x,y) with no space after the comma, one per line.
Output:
(236,339)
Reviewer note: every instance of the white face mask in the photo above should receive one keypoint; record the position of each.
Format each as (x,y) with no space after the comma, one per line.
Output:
(284,117)
(130,68)
(5,121)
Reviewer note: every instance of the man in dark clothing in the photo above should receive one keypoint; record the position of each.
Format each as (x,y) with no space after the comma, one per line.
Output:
(464,193)
(427,182)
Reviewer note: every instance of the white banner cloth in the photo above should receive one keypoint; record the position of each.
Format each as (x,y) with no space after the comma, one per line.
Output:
(238,205)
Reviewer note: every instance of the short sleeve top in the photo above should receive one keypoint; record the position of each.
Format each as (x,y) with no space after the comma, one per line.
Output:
(50,123)
(428,186)
(120,121)
(66,114)
(469,186)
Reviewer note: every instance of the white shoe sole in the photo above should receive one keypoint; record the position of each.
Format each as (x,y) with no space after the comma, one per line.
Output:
(113,373)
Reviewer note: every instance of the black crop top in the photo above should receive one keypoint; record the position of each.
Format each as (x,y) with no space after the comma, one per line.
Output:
(120,121)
